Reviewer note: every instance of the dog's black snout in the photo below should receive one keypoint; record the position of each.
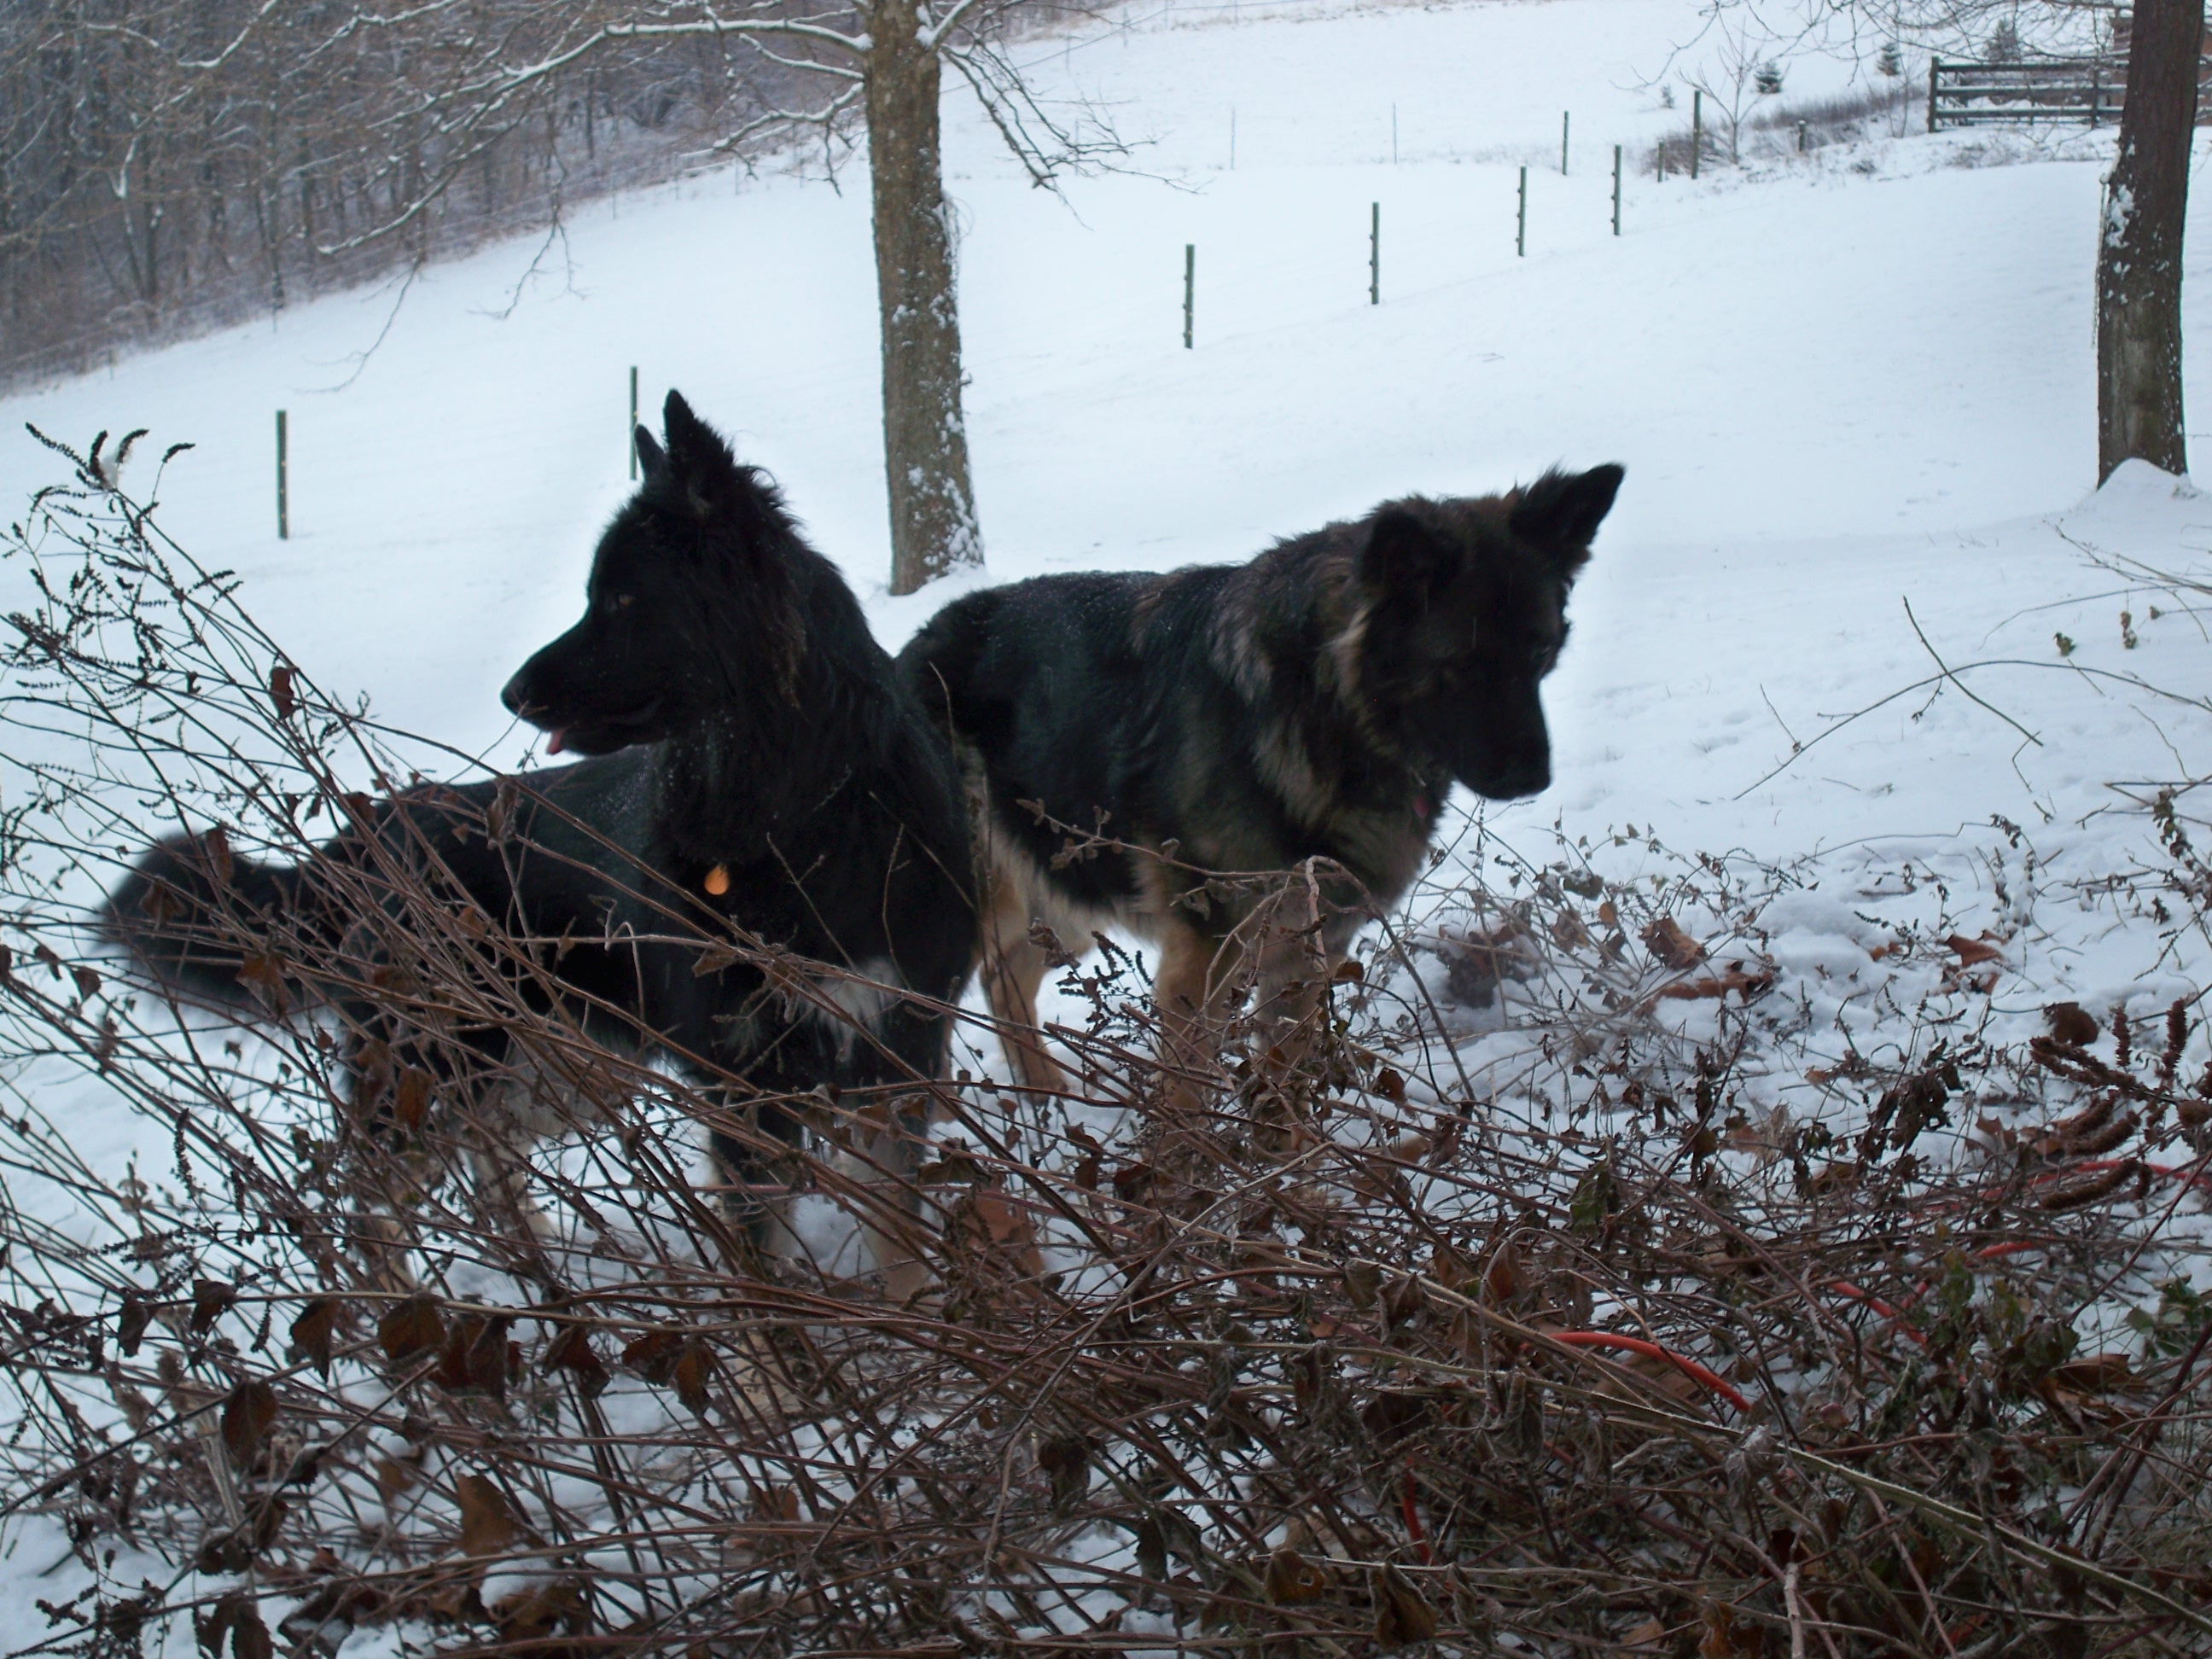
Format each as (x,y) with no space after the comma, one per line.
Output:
(1519,777)
(1532,779)
(514,696)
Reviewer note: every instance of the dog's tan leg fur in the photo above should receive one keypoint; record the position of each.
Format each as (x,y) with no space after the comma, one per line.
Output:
(502,1174)
(1013,970)
(1295,962)
(1193,992)
(1283,946)
(890,1212)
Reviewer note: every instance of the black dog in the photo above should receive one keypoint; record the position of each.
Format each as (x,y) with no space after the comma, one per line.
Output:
(759,773)
(1316,702)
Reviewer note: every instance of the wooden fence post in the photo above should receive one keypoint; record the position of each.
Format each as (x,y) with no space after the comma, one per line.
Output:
(1520,219)
(1616,190)
(630,432)
(283,483)
(1697,128)
(1566,116)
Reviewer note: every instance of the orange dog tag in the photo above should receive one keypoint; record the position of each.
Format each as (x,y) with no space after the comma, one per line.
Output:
(717,880)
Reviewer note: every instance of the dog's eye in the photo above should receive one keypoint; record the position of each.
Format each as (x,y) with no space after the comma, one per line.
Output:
(614,602)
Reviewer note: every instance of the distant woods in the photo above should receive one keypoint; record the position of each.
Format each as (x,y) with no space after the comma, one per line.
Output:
(182,164)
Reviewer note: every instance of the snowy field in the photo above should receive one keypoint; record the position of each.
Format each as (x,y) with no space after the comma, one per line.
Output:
(1842,387)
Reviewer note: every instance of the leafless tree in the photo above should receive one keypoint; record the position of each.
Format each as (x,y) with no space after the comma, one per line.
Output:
(1733,49)
(887,57)
(2139,253)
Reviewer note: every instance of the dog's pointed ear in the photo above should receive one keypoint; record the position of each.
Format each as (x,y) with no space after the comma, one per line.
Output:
(651,458)
(1402,555)
(1562,510)
(699,461)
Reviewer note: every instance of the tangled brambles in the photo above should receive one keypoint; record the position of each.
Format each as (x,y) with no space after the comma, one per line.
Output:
(1583,1283)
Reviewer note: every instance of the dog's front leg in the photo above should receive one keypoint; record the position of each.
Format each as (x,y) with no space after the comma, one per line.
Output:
(891,1205)
(1297,952)
(1013,971)
(1192,992)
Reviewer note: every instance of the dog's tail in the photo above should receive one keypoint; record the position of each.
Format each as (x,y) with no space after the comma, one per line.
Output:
(217,926)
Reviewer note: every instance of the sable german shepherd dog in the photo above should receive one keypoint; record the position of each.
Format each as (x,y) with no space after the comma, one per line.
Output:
(756,770)
(1318,702)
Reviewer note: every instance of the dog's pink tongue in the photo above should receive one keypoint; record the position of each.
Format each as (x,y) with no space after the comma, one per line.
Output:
(553,740)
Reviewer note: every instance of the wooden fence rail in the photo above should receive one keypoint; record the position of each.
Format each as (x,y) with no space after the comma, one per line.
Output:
(2091,90)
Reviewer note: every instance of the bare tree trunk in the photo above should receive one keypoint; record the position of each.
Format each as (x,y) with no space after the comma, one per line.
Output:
(924,438)
(2139,254)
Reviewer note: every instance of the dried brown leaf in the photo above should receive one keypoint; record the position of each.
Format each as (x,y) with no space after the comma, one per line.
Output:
(653,1356)
(215,856)
(131,1320)
(247,1416)
(413,1327)
(1292,1579)
(1670,945)
(1403,1614)
(557,1608)
(1363,1281)
(1066,1459)
(571,1351)
(249,1636)
(312,1333)
(411,1098)
(775,1506)
(2068,1023)
(395,1478)
(1746,983)
(1972,952)
(476,1358)
(2096,1373)
(211,1298)
(690,1374)
(490,1525)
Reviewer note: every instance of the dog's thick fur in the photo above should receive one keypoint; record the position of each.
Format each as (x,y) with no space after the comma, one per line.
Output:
(755,765)
(1318,702)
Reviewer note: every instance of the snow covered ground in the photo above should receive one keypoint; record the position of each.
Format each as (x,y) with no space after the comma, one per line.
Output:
(1841,387)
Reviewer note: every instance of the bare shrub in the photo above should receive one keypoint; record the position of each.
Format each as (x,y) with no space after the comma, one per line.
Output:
(1771,131)
(1577,1347)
